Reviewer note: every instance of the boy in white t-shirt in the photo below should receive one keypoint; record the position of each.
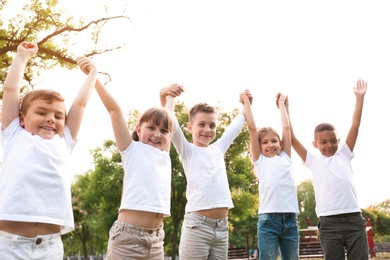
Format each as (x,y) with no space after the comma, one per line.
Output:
(205,228)
(341,225)
(35,187)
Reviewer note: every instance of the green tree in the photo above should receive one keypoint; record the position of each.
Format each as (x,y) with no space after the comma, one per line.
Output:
(383,206)
(382,223)
(96,199)
(56,33)
(379,216)
(307,204)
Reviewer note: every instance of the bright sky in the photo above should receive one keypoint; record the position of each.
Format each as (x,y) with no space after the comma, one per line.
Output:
(312,51)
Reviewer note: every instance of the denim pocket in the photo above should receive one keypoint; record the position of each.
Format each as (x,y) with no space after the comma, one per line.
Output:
(264,218)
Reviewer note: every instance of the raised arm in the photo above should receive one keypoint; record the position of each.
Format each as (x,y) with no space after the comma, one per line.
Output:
(246,100)
(296,144)
(76,111)
(121,131)
(286,128)
(173,90)
(13,82)
(360,91)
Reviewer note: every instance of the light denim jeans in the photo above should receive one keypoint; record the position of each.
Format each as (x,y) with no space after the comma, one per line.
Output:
(130,242)
(344,232)
(42,247)
(278,231)
(203,238)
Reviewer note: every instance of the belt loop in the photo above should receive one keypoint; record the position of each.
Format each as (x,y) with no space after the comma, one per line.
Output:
(14,243)
(51,240)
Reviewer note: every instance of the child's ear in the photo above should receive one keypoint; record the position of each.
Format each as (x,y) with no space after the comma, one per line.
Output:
(189,127)
(315,144)
(138,130)
(21,120)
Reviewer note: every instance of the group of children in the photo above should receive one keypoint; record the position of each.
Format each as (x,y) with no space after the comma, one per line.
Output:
(38,136)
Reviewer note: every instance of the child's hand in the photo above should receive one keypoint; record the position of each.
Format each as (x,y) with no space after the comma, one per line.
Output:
(246,96)
(280,99)
(27,49)
(361,87)
(85,64)
(173,90)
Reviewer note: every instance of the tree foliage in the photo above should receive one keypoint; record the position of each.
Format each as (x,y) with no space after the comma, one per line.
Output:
(306,204)
(57,34)
(379,215)
(96,199)
(383,206)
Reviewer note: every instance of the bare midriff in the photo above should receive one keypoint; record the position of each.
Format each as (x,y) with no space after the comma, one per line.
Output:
(141,218)
(216,213)
(28,229)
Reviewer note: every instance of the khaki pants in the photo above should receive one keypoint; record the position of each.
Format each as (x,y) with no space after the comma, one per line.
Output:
(203,238)
(130,242)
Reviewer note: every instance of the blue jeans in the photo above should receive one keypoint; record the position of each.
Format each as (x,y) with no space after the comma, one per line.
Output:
(278,231)
(344,231)
(203,238)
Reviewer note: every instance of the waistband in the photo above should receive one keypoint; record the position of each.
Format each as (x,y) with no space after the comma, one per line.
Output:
(137,230)
(210,221)
(345,215)
(280,215)
(37,240)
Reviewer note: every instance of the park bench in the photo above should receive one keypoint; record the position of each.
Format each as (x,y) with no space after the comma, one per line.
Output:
(382,247)
(238,253)
(310,249)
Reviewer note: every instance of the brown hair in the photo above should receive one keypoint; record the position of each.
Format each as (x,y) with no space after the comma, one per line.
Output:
(198,108)
(44,94)
(261,132)
(155,116)
(323,127)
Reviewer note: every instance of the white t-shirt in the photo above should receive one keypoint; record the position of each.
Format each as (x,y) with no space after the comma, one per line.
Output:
(277,188)
(34,183)
(333,183)
(205,169)
(147,179)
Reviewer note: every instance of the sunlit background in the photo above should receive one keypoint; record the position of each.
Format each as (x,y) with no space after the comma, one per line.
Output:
(312,51)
